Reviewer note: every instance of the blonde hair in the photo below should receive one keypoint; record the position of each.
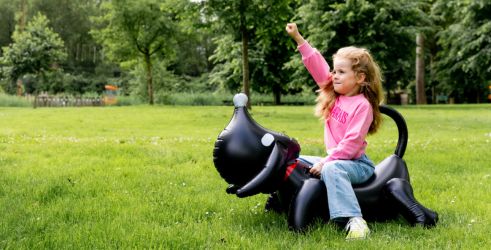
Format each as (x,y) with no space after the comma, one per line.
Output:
(362,62)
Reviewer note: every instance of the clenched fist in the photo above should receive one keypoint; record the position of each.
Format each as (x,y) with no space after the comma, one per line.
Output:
(292,30)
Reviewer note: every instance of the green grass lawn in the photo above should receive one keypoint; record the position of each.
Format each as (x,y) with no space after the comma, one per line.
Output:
(143,177)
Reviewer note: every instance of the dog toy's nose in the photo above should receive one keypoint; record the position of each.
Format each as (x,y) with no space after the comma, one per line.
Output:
(240,100)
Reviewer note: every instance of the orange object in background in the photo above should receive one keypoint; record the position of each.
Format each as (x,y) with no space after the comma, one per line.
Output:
(110,94)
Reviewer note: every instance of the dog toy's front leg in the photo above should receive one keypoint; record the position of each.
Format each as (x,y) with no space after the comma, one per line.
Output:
(309,203)
(264,181)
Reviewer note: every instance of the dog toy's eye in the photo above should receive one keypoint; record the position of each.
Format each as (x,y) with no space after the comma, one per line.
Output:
(267,139)
(240,100)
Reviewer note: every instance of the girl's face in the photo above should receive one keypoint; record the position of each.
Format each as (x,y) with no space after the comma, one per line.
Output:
(345,80)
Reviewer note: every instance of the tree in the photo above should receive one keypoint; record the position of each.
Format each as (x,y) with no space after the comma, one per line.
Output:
(71,20)
(37,50)
(132,29)
(194,42)
(420,70)
(464,58)
(274,49)
(235,17)
(252,31)
(387,28)
(7,13)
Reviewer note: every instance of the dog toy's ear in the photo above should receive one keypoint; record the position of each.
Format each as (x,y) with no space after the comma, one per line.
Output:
(243,150)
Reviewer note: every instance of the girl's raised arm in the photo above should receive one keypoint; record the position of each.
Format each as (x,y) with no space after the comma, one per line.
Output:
(312,59)
(315,64)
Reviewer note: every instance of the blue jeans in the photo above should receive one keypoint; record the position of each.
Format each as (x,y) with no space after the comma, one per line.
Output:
(338,176)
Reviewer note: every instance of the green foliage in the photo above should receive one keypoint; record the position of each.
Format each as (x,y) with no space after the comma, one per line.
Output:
(143,29)
(128,29)
(125,100)
(7,14)
(220,98)
(62,82)
(463,65)
(194,41)
(71,20)
(13,101)
(78,84)
(268,44)
(202,39)
(387,28)
(37,50)
(227,73)
(143,178)
(163,80)
(188,98)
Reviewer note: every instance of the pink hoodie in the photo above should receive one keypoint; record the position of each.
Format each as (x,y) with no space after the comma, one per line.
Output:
(351,116)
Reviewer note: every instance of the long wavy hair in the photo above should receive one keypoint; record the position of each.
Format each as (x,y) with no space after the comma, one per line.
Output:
(362,62)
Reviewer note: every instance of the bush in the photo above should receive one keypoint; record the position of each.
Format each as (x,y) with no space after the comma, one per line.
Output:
(184,98)
(13,101)
(196,99)
(219,98)
(128,101)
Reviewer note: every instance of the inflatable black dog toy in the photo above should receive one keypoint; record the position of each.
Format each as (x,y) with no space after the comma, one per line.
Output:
(253,160)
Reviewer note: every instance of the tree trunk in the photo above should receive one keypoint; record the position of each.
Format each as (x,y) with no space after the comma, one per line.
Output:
(420,70)
(245,67)
(387,87)
(19,87)
(277,94)
(23,15)
(245,53)
(432,83)
(148,69)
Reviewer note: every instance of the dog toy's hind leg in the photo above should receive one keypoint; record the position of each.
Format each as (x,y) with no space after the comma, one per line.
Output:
(400,192)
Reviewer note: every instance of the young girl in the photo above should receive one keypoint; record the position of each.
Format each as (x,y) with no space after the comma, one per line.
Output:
(348,102)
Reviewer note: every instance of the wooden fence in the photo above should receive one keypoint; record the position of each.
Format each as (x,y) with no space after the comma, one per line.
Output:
(54,101)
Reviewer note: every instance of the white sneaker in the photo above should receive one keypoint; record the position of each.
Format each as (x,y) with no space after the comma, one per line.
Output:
(357,229)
